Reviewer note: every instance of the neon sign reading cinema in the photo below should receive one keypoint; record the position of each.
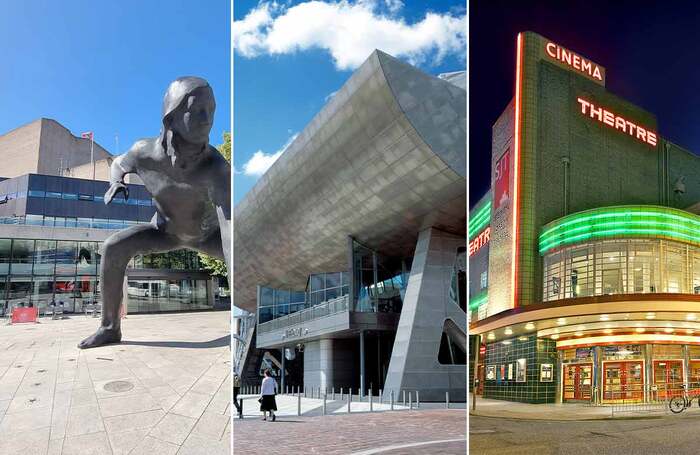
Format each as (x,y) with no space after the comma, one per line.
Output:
(617,122)
(573,60)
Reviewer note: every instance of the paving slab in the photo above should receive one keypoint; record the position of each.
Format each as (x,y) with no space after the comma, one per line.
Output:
(163,390)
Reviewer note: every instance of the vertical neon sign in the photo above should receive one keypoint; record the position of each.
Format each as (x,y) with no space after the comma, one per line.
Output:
(516,167)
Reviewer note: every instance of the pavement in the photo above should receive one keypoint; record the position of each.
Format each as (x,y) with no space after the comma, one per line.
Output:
(663,435)
(164,390)
(563,411)
(405,432)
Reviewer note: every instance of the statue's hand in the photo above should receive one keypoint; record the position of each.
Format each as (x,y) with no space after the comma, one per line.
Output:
(114,190)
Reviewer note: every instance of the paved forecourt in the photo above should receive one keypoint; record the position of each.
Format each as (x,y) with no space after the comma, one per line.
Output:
(164,390)
(399,432)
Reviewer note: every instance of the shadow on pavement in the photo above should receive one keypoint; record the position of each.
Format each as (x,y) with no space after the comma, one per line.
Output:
(217,343)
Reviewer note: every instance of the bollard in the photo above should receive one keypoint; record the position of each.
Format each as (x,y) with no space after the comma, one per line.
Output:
(333,394)
(240,406)
(447,400)
(370,401)
(417,400)
(349,400)
(404,397)
(391,397)
(298,404)
(341,394)
(410,401)
(324,404)
(380,397)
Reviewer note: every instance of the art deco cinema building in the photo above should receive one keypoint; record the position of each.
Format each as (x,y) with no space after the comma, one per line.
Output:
(585,254)
(350,252)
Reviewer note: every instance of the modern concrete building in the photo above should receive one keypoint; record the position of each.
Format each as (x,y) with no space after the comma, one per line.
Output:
(350,250)
(51,227)
(584,255)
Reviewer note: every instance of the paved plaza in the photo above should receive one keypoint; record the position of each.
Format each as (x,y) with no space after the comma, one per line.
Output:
(434,431)
(164,390)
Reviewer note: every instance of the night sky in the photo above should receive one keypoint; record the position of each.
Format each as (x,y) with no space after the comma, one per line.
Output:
(650,50)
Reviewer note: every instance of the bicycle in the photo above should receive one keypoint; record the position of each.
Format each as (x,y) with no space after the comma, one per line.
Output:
(679,404)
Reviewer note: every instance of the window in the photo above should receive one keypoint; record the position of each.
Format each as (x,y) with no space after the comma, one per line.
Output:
(70,196)
(37,193)
(484,279)
(85,197)
(53,194)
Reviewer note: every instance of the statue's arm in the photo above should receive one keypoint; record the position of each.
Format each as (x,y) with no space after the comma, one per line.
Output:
(221,196)
(121,166)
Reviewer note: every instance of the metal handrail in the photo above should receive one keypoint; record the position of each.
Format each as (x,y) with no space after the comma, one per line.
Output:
(327,308)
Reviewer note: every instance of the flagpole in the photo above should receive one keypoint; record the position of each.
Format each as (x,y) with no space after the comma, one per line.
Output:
(92,153)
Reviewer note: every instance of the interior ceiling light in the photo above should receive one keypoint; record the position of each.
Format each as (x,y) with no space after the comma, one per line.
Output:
(691,316)
(509,331)
(604,317)
(668,330)
(608,331)
(639,330)
(529,326)
(491,336)
(555,337)
(561,321)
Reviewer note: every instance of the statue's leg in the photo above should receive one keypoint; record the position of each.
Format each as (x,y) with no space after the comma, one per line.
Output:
(117,251)
(212,246)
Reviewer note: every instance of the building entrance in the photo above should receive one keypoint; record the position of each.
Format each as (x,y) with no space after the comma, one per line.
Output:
(668,377)
(577,382)
(623,381)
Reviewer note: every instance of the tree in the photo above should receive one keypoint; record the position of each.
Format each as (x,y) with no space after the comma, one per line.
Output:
(217,267)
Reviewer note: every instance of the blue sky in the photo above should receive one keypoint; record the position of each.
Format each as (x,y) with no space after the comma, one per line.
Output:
(104,65)
(278,87)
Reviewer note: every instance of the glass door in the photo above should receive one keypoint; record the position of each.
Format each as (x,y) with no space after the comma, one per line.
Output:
(577,382)
(623,381)
(668,377)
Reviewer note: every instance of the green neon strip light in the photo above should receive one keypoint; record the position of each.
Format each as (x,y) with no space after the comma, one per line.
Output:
(480,220)
(478,300)
(621,222)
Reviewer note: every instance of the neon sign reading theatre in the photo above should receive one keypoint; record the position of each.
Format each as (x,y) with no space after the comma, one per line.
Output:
(574,60)
(617,122)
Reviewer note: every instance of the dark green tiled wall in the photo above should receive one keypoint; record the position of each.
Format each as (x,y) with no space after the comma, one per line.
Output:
(536,352)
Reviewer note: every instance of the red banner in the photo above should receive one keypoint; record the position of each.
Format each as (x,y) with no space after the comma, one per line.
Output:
(24,315)
(502,193)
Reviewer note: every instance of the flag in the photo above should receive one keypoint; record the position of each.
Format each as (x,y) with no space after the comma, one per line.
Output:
(86,135)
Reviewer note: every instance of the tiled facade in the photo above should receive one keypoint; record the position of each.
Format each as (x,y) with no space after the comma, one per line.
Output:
(505,356)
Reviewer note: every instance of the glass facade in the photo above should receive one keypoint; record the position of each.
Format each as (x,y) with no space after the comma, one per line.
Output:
(379,283)
(621,267)
(274,303)
(39,272)
(70,222)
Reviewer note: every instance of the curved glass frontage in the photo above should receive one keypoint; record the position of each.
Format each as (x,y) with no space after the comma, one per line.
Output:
(621,267)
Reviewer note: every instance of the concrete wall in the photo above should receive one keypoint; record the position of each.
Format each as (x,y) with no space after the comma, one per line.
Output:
(44,146)
(330,363)
(414,359)
(19,150)
(60,149)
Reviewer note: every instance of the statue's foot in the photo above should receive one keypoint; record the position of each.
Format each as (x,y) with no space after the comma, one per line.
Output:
(100,338)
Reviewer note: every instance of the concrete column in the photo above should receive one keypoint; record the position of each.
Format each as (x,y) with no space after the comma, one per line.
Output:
(686,367)
(362,363)
(598,372)
(210,293)
(284,371)
(560,383)
(648,371)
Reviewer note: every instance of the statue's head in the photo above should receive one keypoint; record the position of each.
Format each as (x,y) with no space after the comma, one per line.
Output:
(188,112)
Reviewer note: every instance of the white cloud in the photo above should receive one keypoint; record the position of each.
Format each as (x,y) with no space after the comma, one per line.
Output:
(349,31)
(394,6)
(260,162)
(329,96)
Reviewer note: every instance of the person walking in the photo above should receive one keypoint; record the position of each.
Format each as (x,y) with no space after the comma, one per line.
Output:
(236,391)
(267,396)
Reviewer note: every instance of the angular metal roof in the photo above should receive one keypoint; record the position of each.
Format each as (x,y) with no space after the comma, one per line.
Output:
(384,159)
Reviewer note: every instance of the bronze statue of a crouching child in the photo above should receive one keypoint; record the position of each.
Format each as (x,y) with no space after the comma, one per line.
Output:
(190,183)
